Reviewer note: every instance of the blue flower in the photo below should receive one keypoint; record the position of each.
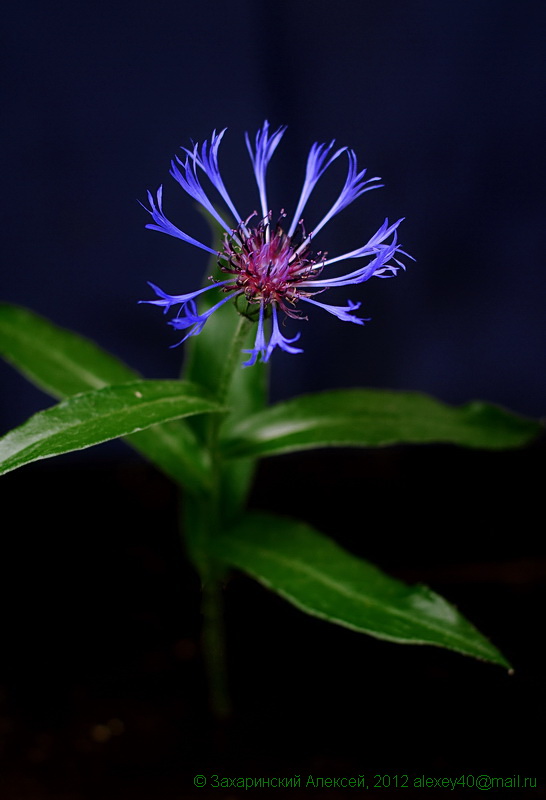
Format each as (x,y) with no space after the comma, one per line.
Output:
(271,269)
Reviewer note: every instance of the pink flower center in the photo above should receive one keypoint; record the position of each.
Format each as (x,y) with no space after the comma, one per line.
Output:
(267,269)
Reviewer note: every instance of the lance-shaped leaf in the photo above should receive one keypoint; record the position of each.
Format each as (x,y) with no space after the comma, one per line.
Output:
(94,417)
(309,570)
(60,362)
(371,418)
(63,363)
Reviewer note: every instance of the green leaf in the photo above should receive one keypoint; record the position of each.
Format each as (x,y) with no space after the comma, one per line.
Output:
(316,575)
(370,418)
(94,417)
(58,361)
(62,363)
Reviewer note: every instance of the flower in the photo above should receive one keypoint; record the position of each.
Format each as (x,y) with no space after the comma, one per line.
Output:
(271,269)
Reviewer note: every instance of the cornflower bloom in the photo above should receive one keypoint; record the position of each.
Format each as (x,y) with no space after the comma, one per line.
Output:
(271,269)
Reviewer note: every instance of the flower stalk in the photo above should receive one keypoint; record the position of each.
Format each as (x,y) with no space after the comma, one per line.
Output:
(265,271)
(205,517)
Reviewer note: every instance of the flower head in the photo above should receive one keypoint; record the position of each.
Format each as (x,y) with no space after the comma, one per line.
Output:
(269,268)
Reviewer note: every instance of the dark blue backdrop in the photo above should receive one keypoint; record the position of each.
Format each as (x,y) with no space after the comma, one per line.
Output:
(445,102)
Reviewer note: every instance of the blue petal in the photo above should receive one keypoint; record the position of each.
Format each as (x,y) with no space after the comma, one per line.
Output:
(372,245)
(354,186)
(375,267)
(207,160)
(191,184)
(169,300)
(163,225)
(259,348)
(189,316)
(344,313)
(265,147)
(315,168)
(278,340)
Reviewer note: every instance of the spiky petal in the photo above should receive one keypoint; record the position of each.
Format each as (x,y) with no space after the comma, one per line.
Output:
(266,266)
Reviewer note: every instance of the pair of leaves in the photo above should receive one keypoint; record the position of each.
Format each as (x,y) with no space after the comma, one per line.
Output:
(65,364)
(106,400)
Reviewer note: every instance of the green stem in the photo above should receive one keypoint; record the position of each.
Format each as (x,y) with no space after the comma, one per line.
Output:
(203,521)
(214,645)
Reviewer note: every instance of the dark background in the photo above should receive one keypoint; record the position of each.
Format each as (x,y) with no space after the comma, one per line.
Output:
(445,102)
